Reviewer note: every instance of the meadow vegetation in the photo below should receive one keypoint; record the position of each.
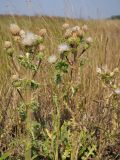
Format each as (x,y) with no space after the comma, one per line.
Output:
(59,89)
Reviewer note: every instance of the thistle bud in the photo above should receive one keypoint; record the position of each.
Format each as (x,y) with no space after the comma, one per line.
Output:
(14,29)
(89,40)
(65,26)
(74,34)
(73,42)
(16,38)
(40,39)
(10,51)
(116,70)
(84,27)
(22,33)
(43,32)
(76,28)
(98,70)
(68,33)
(27,55)
(41,48)
(111,74)
(15,77)
(7,44)
(80,33)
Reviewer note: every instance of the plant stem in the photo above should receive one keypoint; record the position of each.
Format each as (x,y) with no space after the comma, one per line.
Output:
(57,128)
(37,68)
(28,122)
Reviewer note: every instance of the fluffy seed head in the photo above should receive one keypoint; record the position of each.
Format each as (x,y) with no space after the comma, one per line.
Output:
(52,59)
(29,39)
(63,48)
(7,44)
(14,29)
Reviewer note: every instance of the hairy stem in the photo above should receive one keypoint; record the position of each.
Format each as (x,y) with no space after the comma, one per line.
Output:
(28,122)
(35,73)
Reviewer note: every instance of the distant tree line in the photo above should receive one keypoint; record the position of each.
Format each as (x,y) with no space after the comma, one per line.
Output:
(115,17)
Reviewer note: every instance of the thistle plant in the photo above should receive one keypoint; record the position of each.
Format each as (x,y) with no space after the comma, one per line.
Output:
(67,134)
(65,139)
(109,81)
(25,65)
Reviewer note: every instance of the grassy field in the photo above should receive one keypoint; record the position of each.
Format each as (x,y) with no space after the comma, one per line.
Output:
(79,118)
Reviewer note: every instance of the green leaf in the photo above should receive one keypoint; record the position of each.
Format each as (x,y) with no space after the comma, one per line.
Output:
(62,66)
(10,52)
(5,155)
(34,157)
(22,111)
(27,63)
(17,84)
(74,42)
(58,78)
(40,55)
(34,85)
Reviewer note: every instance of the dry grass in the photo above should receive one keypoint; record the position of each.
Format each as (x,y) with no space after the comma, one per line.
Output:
(90,111)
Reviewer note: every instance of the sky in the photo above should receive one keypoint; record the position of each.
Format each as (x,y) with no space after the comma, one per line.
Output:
(95,9)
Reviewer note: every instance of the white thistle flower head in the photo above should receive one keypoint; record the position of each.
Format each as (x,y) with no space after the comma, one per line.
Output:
(84,27)
(98,70)
(29,39)
(52,59)
(14,29)
(65,26)
(117,91)
(22,33)
(7,44)
(63,48)
(89,40)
